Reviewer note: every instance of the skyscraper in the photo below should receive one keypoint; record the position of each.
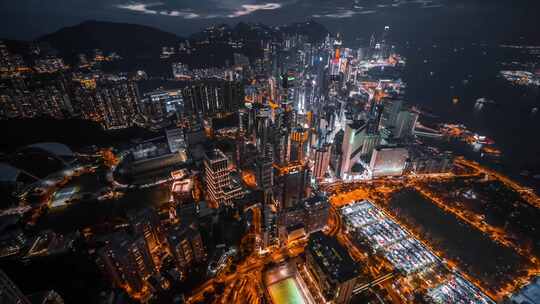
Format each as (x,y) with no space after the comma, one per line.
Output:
(146,223)
(126,261)
(391,110)
(332,267)
(358,144)
(293,185)
(298,145)
(264,172)
(186,247)
(219,187)
(210,97)
(322,161)
(406,121)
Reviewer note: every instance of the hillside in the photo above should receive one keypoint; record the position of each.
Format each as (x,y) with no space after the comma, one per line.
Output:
(126,39)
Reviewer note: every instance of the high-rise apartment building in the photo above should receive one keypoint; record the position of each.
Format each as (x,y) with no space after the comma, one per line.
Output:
(126,261)
(209,97)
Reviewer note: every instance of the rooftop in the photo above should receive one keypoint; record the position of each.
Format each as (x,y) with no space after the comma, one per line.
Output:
(332,258)
(215,155)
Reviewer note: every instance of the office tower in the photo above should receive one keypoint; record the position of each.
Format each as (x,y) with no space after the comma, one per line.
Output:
(312,213)
(292,185)
(219,187)
(216,169)
(126,261)
(262,130)
(391,110)
(334,270)
(211,96)
(298,145)
(146,223)
(160,104)
(281,146)
(358,145)
(269,225)
(9,292)
(317,210)
(388,161)
(375,116)
(406,122)
(287,91)
(264,172)
(322,161)
(185,246)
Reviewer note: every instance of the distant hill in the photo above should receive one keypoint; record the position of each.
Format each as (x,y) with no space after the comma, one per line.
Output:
(126,39)
(315,31)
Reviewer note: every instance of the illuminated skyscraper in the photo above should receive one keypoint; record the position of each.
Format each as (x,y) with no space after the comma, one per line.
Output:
(262,130)
(217,178)
(391,110)
(405,124)
(146,223)
(298,145)
(311,212)
(186,246)
(322,161)
(358,145)
(264,172)
(210,97)
(292,185)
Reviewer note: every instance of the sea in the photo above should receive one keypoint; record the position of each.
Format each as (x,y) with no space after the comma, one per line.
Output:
(436,74)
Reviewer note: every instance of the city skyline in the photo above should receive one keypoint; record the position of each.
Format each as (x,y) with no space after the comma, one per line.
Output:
(299,152)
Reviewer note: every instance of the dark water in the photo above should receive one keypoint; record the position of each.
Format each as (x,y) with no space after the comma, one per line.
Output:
(436,74)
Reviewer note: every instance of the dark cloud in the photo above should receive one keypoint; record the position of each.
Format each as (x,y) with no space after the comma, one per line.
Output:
(30,18)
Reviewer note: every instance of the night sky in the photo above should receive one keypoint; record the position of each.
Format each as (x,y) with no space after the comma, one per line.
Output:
(502,20)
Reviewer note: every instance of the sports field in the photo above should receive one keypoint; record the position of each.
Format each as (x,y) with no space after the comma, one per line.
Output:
(286,292)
